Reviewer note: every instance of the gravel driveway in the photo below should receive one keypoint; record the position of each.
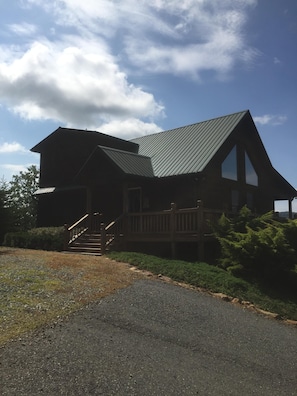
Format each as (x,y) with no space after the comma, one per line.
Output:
(154,338)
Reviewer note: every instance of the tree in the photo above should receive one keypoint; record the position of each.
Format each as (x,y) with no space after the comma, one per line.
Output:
(5,212)
(20,198)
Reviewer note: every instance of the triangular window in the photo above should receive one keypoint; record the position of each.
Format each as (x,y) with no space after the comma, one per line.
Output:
(251,176)
(229,165)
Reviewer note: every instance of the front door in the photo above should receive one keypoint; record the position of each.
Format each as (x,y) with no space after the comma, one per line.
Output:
(134,200)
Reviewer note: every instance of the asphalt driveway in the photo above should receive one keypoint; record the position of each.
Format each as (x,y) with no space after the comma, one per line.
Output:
(154,338)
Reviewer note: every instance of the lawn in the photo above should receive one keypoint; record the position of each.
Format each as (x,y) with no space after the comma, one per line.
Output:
(39,287)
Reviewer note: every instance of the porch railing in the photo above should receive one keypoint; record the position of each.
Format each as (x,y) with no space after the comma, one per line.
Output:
(174,221)
(171,225)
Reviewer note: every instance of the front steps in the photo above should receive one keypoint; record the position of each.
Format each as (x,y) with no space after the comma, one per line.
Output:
(86,244)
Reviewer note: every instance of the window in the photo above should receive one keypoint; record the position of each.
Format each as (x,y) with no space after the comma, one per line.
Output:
(229,166)
(251,176)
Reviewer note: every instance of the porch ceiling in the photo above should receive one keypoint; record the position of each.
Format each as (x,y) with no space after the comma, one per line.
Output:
(50,190)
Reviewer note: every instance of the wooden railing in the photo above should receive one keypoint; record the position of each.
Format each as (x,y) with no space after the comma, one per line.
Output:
(89,222)
(76,230)
(173,221)
(147,223)
(111,233)
(171,225)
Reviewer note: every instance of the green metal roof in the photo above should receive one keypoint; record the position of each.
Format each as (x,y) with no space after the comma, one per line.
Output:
(130,163)
(187,149)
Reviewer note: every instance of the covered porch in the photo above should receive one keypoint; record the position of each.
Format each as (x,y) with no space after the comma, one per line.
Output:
(172,226)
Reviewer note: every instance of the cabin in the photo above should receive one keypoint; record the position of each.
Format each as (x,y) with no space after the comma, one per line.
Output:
(157,190)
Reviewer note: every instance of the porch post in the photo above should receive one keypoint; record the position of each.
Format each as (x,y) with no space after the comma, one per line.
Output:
(103,238)
(125,198)
(89,200)
(172,230)
(200,230)
(125,217)
(290,208)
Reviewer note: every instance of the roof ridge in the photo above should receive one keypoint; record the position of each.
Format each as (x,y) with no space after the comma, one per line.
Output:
(211,119)
(189,125)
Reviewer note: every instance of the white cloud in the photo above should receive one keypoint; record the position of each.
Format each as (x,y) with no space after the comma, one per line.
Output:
(14,147)
(129,128)
(210,38)
(276,61)
(23,29)
(269,119)
(83,78)
(14,169)
(78,83)
(7,171)
(175,36)
(217,55)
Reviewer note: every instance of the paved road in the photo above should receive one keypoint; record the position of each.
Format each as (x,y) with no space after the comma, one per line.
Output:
(155,338)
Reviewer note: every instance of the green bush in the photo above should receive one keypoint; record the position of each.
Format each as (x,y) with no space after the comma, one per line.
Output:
(290,231)
(16,239)
(261,245)
(50,238)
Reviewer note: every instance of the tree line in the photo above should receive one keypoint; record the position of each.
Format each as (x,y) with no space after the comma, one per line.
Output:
(18,204)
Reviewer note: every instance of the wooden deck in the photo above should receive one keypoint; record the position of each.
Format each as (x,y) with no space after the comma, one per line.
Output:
(176,224)
(173,225)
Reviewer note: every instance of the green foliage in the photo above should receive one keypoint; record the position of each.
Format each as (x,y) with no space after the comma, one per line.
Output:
(20,199)
(290,231)
(260,245)
(198,274)
(50,238)
(5,212)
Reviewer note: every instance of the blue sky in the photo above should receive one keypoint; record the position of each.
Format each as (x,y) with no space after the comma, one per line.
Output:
(134,67)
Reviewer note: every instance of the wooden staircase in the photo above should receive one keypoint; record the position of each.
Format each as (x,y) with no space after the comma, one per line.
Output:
(87,243)
(90,236)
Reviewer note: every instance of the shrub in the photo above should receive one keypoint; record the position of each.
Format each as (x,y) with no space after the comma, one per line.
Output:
(290,231)
(261,244)
(50,238)
(16,239)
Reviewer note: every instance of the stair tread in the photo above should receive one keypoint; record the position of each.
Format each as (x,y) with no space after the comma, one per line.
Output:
(87,243)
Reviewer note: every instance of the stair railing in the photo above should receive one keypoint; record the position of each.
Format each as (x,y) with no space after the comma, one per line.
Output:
(111,233)
(85,223)
(76,230)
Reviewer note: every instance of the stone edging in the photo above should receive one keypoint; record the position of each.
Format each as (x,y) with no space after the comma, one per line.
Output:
(222,296)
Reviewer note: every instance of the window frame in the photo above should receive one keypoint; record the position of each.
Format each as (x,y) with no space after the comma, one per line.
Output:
(230,170)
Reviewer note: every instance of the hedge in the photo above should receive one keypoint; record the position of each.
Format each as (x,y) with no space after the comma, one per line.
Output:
(46,238)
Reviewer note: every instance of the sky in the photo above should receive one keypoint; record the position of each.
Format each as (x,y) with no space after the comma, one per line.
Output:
(132,67)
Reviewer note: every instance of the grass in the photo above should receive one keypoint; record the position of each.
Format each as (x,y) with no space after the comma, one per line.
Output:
(38,287)
(278,296)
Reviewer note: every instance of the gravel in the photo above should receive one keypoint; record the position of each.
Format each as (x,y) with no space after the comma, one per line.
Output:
(154,338)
